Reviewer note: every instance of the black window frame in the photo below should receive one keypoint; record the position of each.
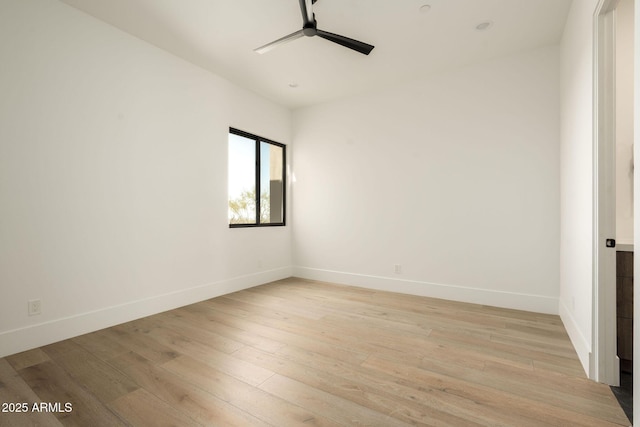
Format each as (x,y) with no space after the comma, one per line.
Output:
(258,139)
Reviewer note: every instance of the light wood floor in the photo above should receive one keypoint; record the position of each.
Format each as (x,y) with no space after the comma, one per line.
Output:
(296,352)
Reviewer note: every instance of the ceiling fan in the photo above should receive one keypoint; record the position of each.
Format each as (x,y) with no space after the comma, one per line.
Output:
(310,29)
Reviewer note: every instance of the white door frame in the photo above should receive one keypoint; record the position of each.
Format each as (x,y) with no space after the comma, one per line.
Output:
(604,365)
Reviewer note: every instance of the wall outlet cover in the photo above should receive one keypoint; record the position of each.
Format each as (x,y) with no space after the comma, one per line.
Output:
(34,307)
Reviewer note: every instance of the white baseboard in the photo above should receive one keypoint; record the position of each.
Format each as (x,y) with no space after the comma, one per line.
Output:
(517,301)
(580,343)
(22,339)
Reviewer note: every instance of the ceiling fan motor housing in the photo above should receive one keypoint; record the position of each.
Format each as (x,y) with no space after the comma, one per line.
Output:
(310,29)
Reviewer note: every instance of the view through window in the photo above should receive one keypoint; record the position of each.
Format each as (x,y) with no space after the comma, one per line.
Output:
(255,163)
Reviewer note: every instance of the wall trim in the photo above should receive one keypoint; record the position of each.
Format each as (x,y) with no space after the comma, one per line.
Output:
(29,337)
(517,301)
(603,330)
(580,343)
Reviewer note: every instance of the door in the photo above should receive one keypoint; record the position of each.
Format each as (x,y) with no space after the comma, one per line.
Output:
(605,366)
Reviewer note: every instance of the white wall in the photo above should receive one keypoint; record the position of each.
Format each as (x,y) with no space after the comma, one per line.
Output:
(113,174)
(455,178)
(576,181)
(624,121)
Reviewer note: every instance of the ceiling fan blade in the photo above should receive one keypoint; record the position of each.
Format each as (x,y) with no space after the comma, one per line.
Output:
(307,11)
(356,45)
(267,47)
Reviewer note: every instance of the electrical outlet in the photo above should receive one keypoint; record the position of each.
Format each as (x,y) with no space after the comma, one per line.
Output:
(397,268)
(34,307)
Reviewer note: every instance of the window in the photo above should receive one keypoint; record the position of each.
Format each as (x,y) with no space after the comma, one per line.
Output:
(256,163)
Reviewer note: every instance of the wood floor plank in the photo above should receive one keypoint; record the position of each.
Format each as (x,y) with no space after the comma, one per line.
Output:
(101,345)
(14,390)
(298,352)
(467,407)
(53,385)
(251,374)
(397,314)
(500,351)
(544,390)
(95,375)
(571,368)
(254,401)
(299,336)
(145,346)
(380,396)
(338,334)
(202,315)
(512,408)
(340,410)
(141,408)
(199,329)
(181,394)
(27,358)
(277,304)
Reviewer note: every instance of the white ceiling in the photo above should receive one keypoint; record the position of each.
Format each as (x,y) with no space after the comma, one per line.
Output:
(220,35)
